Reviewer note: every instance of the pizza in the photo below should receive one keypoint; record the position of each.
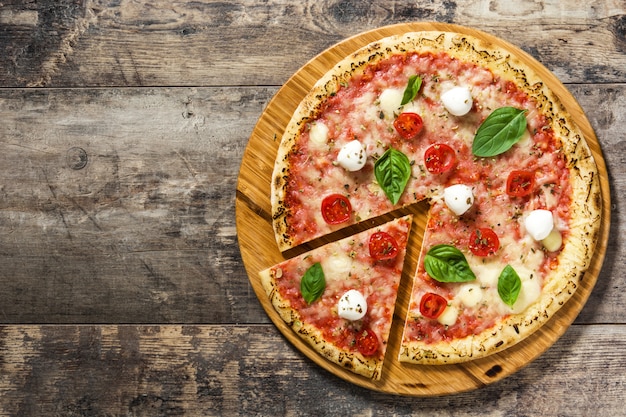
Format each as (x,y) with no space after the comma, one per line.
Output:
(466,127)
(340,297)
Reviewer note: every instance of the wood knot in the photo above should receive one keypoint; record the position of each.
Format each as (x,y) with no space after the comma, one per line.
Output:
(76,158)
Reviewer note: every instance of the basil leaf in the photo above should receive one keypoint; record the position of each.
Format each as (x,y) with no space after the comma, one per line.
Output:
(502,129)
(509,285)
(313,283)
(414,85)
(392,171)
(445,263)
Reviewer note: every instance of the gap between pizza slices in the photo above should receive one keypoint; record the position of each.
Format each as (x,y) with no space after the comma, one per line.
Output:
(514,192)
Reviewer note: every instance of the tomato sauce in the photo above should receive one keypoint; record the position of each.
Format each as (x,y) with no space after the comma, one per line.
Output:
(355,111)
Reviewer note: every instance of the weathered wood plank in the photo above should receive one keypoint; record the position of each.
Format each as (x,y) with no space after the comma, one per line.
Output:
(144,232)
(148,43)
(236,370)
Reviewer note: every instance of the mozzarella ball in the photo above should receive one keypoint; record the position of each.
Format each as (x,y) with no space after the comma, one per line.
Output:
(390,100)
(458,101)
(352,156)
(352,305)
(459,198)
(539,224)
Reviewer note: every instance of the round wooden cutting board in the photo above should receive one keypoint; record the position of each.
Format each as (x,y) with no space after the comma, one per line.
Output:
(259,250)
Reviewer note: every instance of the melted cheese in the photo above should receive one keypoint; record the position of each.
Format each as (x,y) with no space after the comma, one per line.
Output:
(470,294)
(530,291)
(553,241)
(389,101)
(449,316)
(318,136)
(338,264)
(365,113)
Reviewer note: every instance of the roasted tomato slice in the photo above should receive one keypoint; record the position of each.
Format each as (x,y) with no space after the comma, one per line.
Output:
(432,305)
(383,246)
(336,209)
(408,125)
(484,242)
(439,158)
(520,183)
(366,342)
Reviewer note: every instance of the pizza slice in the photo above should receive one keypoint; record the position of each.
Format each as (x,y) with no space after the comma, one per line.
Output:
(486,277)
(340,297)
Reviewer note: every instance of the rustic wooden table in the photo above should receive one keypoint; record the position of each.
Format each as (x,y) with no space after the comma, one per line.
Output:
(123,125)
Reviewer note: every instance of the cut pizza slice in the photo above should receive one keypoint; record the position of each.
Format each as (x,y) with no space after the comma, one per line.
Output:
(485,279)
(340,297)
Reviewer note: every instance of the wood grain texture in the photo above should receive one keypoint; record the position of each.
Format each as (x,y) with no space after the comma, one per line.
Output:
(167,252)
(144,232)
(249,370)
(205,43)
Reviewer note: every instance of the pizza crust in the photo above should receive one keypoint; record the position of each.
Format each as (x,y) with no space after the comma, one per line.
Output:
(578,247)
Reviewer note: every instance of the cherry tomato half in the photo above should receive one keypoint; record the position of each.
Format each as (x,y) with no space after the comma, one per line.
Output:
(439,158)
(432,305)
(366,342)
(484,242)
(383,246)
(336,209)
(408,125)
(520,183)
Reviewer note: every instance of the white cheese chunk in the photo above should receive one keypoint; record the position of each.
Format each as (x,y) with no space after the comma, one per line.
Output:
(459,198)
(352,305)
(390,100)
(486,273)
(352,156)
(539,224)
(449,316)
(553,241)
(318,135)
(338,264)
(470,294)
(458,101)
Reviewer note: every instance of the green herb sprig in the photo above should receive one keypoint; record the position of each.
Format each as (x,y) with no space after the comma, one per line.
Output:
(313,283)
(445,263)
(509,285)
(392,171)
(411,90)
(502,129)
